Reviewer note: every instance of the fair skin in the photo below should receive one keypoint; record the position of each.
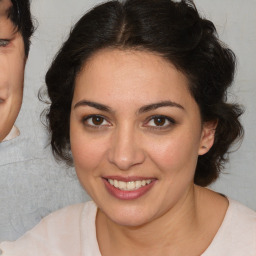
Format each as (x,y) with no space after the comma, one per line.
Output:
(134,123)
(12,65)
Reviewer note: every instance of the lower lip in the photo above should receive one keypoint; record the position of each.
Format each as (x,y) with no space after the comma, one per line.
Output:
(127,195)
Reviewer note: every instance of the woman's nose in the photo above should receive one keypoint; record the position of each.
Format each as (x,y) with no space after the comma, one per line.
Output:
(126,149)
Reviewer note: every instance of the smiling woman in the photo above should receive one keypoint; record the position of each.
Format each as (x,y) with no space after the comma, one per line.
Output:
(15,31)
(138,105)
(149,113)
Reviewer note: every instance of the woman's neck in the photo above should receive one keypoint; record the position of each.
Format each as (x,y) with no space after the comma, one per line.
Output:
(180,231)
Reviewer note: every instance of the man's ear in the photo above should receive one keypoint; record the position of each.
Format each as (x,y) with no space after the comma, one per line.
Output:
(207,136)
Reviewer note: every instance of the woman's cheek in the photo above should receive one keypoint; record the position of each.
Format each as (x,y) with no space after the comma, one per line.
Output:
(173,154)
(87,154)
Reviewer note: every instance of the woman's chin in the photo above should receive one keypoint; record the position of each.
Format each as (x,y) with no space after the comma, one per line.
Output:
(129,216)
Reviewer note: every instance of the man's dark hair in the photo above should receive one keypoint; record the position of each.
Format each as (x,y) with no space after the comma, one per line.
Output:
(20,15)
(173,30)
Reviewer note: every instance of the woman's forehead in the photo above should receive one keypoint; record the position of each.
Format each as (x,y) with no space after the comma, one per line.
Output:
(130,76)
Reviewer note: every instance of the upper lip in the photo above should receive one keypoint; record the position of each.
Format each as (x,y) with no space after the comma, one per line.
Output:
(128,178)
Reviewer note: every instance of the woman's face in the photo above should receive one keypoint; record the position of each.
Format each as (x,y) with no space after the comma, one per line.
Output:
(12,64)
(135,135)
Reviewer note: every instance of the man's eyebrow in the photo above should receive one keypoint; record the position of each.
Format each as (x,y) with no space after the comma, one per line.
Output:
(7,11)
(92,104)
(10,11)
(159,105)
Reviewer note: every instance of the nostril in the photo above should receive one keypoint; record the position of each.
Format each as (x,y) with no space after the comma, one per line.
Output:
(125,151)
(125,160)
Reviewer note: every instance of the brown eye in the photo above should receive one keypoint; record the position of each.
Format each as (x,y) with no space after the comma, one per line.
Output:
(159,121)
(97,120)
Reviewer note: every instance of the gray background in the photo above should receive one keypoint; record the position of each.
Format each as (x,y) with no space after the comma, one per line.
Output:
(32,184)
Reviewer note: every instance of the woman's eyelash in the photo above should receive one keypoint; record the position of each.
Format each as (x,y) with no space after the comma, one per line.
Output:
(153,122)
(4,42)
(95,121)
(160,122)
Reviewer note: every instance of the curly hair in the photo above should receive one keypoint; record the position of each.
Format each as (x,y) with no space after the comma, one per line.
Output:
(173,30)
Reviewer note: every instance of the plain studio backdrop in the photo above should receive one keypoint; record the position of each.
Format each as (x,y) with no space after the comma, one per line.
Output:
(32,184)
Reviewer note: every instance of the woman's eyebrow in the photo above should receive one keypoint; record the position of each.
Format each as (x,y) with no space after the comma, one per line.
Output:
(159,105)
(92,104)
(143,109)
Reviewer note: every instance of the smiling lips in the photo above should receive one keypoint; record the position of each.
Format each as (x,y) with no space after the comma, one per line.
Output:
(130,185)
(127,190)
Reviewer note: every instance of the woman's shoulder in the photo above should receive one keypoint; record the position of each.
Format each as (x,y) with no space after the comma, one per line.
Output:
(59,231)
(242,221)
(237,234)
(72,214)
(240,218)
(241,210)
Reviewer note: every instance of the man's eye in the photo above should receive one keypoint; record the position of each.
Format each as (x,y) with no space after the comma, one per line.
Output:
(96,121)
(160,122)
(4,42)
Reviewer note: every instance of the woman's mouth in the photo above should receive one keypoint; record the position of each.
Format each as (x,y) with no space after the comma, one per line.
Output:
(130,185)
(130,189)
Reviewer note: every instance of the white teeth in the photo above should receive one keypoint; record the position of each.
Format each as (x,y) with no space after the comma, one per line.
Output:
(121,185)
(137,184)
(116,183)
(130,185)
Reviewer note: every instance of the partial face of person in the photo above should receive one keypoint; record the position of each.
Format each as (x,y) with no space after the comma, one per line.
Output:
(12,64)
(136,134)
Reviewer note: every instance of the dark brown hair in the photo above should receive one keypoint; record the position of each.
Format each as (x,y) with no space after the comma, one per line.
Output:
(20,15)
(173,30)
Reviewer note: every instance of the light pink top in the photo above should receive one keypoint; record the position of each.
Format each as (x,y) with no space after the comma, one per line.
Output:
(72,231)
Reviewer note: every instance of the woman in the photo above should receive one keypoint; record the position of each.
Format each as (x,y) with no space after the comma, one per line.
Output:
(138,104)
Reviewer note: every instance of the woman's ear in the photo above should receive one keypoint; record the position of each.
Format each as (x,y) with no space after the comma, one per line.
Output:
(207,136)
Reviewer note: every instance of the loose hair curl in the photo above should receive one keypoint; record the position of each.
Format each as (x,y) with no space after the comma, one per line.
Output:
(173,30)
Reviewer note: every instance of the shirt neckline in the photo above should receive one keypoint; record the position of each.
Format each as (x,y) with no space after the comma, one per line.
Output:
(222,228)
(88,225)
